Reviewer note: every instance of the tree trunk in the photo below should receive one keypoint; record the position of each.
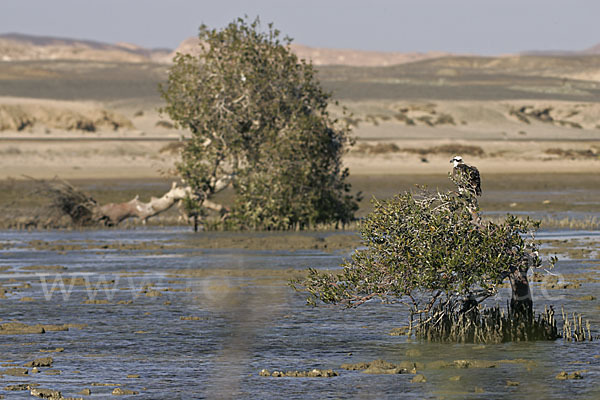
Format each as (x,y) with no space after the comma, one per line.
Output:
(521,302)
(83,210)
(115,213)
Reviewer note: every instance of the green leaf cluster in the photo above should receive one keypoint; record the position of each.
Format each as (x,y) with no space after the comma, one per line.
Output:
(424,246)
(258,114)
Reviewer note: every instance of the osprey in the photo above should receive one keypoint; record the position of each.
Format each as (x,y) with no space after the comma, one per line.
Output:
(466,176)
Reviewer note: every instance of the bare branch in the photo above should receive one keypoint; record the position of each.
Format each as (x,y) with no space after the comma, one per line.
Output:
(114,213)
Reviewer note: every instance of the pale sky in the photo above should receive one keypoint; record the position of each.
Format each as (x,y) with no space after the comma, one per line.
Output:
(460,26)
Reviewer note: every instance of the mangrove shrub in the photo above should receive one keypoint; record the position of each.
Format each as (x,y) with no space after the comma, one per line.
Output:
(259,121)
(432,251)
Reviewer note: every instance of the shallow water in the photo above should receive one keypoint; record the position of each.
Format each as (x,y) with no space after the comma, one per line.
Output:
(249,319)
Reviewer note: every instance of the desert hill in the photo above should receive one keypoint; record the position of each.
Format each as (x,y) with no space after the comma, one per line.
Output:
(575,64)
(322,56)
(593,50)
(579,67)
(19,47)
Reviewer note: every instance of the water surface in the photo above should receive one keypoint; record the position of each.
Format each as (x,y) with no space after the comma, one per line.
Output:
(240,317)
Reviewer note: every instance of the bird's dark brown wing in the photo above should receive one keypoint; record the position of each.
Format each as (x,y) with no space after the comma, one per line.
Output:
(475,180)
(468,178)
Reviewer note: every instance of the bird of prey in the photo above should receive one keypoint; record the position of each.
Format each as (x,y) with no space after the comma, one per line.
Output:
(466,176)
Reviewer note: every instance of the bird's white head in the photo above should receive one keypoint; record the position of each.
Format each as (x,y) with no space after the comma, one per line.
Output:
(456,160)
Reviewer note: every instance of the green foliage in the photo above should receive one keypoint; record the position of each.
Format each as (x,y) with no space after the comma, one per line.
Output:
(258,115)
(424,247)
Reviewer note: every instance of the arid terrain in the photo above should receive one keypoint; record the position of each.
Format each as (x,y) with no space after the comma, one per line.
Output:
(163,312)
(87,111)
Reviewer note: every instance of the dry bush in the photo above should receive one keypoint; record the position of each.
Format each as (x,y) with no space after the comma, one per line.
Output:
(458,149)
(14,118)
(352,122)
(372,119)
(66,199)
(432,118)
(164,124)
(383,148)
(172,148)
(592,153)
(570,124)
(426,119)
(18,117)
(404,118)
(526,113)
(444,119)
(11,151)
(450,149)
(379,148)
(52,204)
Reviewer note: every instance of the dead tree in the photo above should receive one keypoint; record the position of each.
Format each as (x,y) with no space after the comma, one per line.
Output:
(115,213)
(83,210)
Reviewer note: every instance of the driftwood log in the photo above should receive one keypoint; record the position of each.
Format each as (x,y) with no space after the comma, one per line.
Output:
(83,210)
(115,213)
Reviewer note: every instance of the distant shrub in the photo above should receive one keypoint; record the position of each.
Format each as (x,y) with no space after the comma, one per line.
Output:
(426,119)
(458,149)
(444,119)
(570,124)
(372,119)
(19,117)
(172,148)
(11,151)
(164,124)
(448,149)
(519,115)
(379,148)
(526,113)
(404,118)
(573,154)
(352,122)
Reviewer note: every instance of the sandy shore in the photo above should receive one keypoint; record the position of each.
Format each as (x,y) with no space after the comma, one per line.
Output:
(485,133)
(149,159)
